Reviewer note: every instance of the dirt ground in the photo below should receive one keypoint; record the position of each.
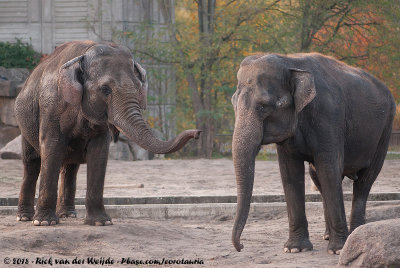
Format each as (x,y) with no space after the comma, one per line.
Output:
(205,239)
(185,178)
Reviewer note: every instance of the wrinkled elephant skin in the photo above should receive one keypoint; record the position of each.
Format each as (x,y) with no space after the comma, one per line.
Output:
(74,100)
(319,110)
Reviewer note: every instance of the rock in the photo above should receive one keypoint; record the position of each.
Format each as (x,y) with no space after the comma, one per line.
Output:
(12,150)
(141,154)
(120,151)
(7,134)
(7,116)
(11,81)
(138,152)
(376,244)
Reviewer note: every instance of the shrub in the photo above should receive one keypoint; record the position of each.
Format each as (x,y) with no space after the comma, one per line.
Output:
(18,55)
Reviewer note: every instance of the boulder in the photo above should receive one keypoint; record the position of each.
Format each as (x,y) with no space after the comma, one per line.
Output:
(12,150)
(138,152)
(7,115)
(120,151)
(141,154)
(376,244)
(7,134)
(11,81)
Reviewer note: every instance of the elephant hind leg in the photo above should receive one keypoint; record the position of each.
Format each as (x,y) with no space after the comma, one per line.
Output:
(66,191)
(366,177)
(314,177)
(31,161)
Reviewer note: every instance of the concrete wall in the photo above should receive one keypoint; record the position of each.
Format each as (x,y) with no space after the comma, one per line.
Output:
(46,24)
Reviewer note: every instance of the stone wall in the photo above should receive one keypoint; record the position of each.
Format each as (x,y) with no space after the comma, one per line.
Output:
(11,81)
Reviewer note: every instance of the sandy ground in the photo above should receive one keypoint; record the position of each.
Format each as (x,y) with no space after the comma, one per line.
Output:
(185,178)
(206,239)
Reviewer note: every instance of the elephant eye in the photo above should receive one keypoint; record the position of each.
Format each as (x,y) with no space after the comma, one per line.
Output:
(263,108)
(106,90)
(259,107)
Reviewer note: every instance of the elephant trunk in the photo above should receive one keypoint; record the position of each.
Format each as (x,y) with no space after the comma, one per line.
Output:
(245,146)
(131,123)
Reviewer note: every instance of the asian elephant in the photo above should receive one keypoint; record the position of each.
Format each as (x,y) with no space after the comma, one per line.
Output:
(316,109)
(73,101)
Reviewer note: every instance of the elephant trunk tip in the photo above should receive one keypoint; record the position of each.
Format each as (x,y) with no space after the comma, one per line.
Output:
(236,243)
(194,133)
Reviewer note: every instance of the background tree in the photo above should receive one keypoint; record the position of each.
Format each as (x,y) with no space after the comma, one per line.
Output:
(210,37)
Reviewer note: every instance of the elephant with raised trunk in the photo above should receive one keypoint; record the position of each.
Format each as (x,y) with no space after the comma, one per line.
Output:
(79,96)
(319,110)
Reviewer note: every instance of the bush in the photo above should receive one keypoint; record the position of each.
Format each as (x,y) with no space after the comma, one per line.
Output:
(18,55)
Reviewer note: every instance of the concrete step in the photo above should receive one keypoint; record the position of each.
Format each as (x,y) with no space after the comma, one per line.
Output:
(376,210)
(209,199)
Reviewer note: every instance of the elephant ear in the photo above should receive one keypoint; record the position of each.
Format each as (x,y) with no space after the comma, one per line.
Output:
(304,88)
(234,100)
(140,73)
(70,81)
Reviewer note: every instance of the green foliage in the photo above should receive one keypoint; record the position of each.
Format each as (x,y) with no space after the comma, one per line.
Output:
(267,156)
(392,156)
(18,55)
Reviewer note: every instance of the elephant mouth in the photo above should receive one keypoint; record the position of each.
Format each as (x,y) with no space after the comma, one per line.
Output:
(114,132)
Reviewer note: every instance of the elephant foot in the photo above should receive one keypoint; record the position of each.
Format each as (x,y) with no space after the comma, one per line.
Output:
(45,218)
(66,212)
(25,214)
(98,219)
(294,245)
(335,246)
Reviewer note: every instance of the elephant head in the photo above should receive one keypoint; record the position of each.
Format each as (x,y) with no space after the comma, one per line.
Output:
(111,89)
(270,94)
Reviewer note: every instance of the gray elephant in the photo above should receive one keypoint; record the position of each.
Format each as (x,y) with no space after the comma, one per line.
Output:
(319,110)
(70,105)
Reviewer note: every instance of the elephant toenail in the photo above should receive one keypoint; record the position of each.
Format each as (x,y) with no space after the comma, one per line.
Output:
(108,223)
(286,250)
(294,250)
(97,223)
(305,249)
(44,223)
(338,251)
(18,218)
(36,222)
(330,251)
(53,222)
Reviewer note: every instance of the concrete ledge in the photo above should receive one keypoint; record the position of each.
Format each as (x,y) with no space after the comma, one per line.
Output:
(167,211)
(209,199)
(375,210)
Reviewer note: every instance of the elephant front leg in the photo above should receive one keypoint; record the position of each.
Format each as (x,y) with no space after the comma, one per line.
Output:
(330,176)
(66,191)
(26,199)
(52,154)
(96,158)
(292,173)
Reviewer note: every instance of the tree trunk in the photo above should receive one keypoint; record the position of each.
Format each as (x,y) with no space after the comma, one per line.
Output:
(206,13)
